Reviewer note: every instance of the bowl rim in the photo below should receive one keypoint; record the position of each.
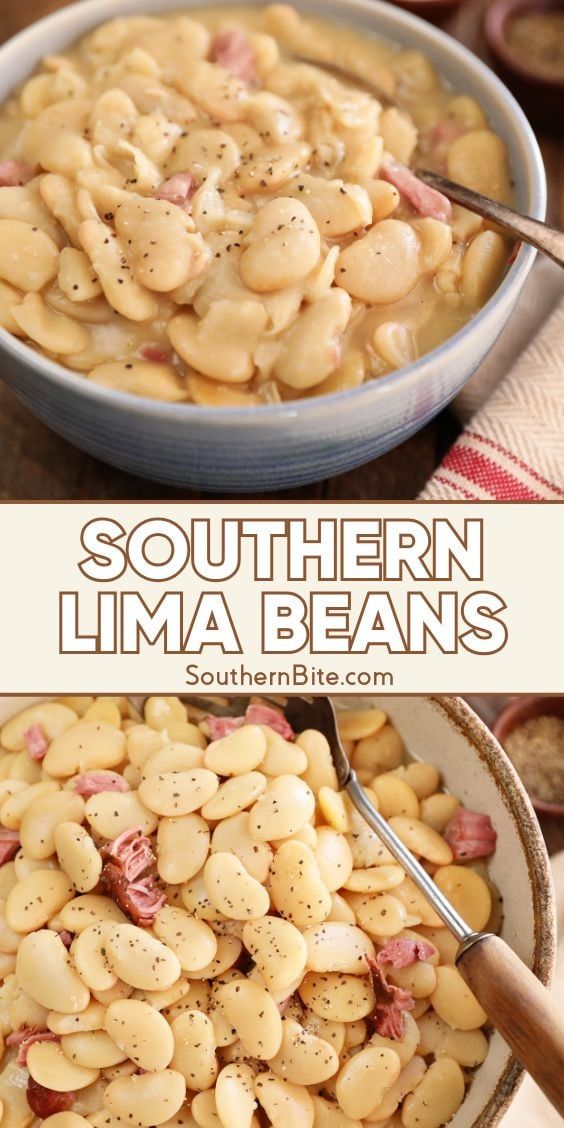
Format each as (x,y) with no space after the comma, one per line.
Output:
(518,804)
(370,393)
(496,17)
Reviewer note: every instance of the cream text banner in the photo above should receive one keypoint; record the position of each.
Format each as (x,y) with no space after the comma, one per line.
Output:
(281,597)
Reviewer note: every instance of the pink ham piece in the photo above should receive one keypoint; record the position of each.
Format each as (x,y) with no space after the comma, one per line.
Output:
(46,1102)
(145,900)
(470,835)
(25,1037)
(387,1017)
(130,852)
(92,783)
(255,715)
(233,51)
(445,132)
(263,715)
(401,952)
(223,726)
(17,1037)
(13,174)
(9,845)
(66,937)
(126,858)
(178,189)
(155,353)
(140,900)
(425,200)
(36,742)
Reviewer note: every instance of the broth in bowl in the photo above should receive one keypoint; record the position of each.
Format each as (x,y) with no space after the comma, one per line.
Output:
(191,212)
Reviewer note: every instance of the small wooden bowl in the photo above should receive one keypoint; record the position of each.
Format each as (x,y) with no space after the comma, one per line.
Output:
(540,95)
(513,716)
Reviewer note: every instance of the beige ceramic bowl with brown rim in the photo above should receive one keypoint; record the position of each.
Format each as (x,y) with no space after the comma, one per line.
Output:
(445,731)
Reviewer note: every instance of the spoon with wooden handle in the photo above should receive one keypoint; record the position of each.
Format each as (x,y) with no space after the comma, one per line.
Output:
(517,1004)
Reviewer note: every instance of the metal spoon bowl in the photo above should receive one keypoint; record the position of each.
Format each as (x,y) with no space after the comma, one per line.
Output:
(366,84)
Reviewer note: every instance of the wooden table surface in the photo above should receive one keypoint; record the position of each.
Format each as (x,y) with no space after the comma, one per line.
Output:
(36,464)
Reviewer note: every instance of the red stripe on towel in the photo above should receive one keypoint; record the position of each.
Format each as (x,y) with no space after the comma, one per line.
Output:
(484,472)
(477,437)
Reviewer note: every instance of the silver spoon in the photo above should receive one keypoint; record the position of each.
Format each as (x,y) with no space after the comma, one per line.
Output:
(518,1005)
(549,240)
(366,84)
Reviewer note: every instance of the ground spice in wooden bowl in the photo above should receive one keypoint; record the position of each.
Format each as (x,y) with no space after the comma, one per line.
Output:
(536,41)
(526,39)
(536,749)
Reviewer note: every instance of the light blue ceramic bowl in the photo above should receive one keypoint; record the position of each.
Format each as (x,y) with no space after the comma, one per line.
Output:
(279,446)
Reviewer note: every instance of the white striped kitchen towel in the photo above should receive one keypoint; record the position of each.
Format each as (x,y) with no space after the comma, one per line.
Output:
(513,447)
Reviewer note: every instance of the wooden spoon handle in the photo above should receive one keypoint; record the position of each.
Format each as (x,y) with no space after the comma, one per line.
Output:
(521,1009)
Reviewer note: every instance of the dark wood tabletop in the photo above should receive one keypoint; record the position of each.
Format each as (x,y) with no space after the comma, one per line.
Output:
(35,464)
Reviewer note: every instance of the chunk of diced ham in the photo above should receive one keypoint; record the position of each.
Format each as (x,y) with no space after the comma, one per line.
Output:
(255,715)
(264,715)
(470,835)
(36,742)
(446,131)
(233,50)
(139,900)
(16,1037)
(146,898)
(116,884)
(25,1037)
(425,200)
(223,726)
(178,189)
(13,174)
(9,844)
(131,852)
(391,1001)
(46,1102)
(402,952)
(66,937)
(156,353)
(92,783)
